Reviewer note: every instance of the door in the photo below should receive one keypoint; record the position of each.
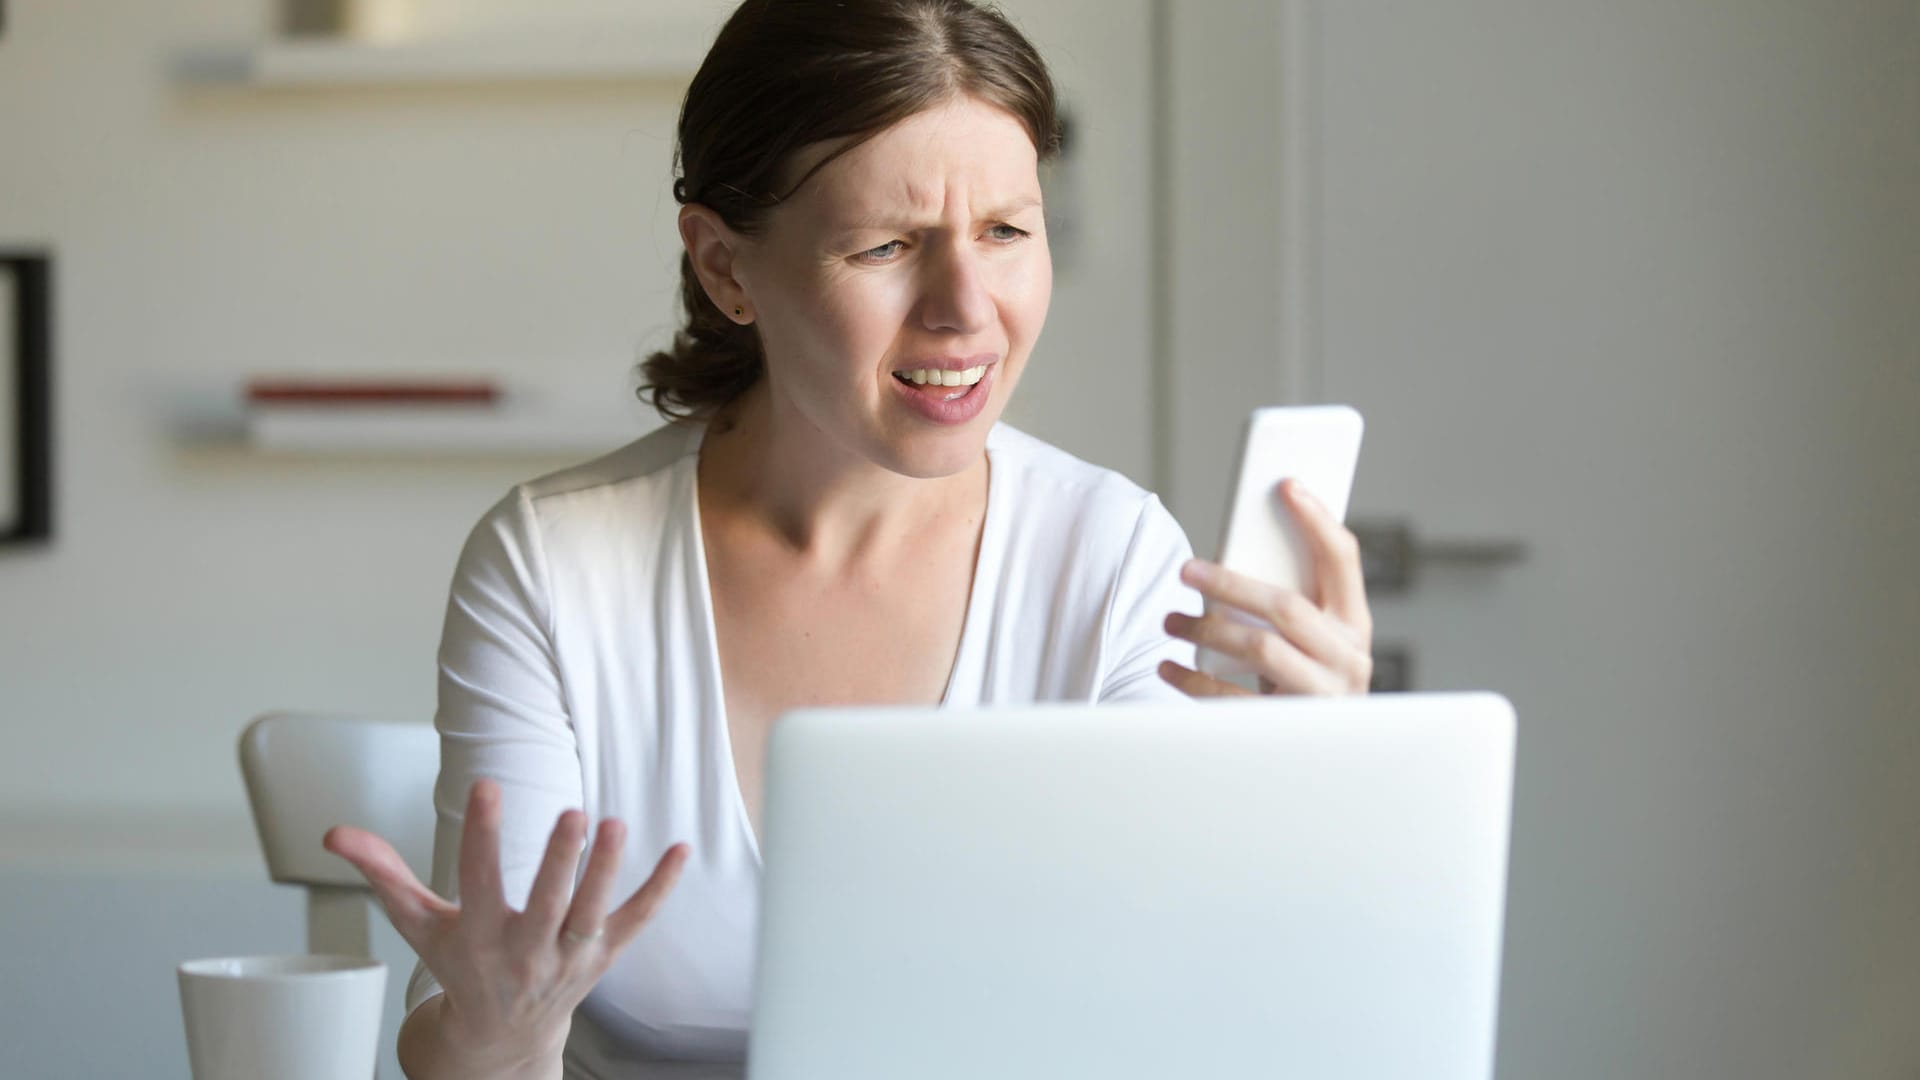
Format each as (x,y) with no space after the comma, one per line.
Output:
(1626,291)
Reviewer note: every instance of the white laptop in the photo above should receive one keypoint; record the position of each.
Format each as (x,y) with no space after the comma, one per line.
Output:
(1270,887)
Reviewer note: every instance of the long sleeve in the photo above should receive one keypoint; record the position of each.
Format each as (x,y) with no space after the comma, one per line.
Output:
(503,710)
(1146,589)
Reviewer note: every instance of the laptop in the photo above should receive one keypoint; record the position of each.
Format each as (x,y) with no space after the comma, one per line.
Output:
(1262,887)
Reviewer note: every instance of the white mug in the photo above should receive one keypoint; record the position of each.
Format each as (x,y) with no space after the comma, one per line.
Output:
(288,1017)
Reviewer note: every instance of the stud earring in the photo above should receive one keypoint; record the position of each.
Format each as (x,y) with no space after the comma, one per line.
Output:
(737,312)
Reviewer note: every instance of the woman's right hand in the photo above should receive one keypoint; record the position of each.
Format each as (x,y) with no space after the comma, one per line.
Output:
(511,978)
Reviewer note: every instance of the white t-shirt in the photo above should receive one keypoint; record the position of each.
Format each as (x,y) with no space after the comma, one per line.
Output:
(578,668)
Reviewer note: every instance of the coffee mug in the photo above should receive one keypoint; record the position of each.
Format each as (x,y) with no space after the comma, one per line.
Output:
(288,1017)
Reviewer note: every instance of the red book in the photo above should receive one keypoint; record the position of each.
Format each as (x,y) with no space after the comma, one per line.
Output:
(321,391)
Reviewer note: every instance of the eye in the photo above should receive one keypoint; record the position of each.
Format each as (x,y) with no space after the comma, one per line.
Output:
(1015,232)
(883,253)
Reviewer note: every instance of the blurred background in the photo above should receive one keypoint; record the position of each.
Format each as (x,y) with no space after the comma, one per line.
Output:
(1629,294)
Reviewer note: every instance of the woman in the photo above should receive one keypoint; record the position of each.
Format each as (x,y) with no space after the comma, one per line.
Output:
(836,518)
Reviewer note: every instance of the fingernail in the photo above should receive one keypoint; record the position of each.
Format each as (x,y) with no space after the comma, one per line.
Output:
(1196,571)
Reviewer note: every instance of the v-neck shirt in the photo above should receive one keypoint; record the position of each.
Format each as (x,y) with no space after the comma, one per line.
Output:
(709,629)
(579,668)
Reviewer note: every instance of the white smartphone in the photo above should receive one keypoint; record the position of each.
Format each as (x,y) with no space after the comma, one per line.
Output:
(1320,446)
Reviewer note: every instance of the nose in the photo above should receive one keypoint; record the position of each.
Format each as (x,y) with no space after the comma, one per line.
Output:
(956,298)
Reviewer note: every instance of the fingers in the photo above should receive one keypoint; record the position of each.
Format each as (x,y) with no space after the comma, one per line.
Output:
(1199,683)
(410,906)
(587,915)
(1216,582)
(1298,619)
(547,903)
(481,899)
(628,919)
(1274,657)
(1305,647)
(1336,559)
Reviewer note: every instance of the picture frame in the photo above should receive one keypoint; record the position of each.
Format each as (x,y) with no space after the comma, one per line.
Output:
(26,397)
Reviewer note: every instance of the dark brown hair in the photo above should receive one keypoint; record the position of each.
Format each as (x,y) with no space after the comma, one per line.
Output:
(784,74)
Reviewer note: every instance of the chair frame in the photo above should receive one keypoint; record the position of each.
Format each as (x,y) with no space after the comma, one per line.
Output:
(307,772)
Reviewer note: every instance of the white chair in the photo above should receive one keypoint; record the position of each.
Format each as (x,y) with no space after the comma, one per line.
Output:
(305,774)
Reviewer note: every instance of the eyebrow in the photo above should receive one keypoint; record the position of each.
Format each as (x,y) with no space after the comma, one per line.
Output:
(881,222)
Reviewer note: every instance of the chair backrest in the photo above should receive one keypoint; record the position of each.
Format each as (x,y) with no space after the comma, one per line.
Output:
(306,773)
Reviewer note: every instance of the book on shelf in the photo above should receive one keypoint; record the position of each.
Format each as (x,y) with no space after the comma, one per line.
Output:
(317,392)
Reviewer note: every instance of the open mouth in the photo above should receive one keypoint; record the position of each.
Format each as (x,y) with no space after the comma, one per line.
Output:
(942,385)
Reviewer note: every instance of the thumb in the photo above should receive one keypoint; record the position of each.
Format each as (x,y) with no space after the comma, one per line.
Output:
(410,906)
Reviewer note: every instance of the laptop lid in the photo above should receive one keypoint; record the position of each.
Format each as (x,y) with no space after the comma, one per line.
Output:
(1261,886)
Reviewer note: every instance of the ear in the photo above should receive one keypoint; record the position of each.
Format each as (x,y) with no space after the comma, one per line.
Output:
(715,249)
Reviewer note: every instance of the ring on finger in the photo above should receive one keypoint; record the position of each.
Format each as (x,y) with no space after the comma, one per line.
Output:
(575,937)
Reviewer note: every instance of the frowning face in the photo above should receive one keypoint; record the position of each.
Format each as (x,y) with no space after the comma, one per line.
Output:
(900,291)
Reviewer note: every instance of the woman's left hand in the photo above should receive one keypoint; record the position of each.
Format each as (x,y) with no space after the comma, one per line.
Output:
(1305,645)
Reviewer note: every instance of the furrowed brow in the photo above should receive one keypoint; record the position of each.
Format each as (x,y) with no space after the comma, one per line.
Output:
(884,222)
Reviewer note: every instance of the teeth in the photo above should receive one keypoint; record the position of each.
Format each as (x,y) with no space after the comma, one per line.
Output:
(934,377)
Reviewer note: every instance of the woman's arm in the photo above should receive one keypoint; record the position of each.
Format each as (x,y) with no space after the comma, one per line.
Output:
(503,713)
(428,1051)
(508,946)
(1135,641)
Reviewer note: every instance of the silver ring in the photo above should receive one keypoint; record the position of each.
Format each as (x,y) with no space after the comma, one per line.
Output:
(575,937)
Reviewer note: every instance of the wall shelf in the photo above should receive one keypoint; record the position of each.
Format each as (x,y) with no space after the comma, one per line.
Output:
(455,430)
(670,51)
(363,413)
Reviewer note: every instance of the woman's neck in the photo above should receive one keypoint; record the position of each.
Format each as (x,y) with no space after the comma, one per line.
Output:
(771,469)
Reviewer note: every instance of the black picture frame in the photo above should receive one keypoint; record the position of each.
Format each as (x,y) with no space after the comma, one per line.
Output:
(26,362)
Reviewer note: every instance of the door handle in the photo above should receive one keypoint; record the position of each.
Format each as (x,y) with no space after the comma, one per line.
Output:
(1391,555)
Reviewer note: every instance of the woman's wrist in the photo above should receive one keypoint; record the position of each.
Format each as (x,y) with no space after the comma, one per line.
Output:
(433,1044)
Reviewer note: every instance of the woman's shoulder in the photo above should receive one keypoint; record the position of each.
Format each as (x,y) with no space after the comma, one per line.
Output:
(623,488)
(1093,515)
(1087,566)
(647,458)
(1040,473)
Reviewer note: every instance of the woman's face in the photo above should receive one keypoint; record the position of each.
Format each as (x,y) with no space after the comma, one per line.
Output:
(916,259)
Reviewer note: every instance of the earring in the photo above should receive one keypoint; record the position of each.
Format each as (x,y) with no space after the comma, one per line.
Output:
(737,312)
